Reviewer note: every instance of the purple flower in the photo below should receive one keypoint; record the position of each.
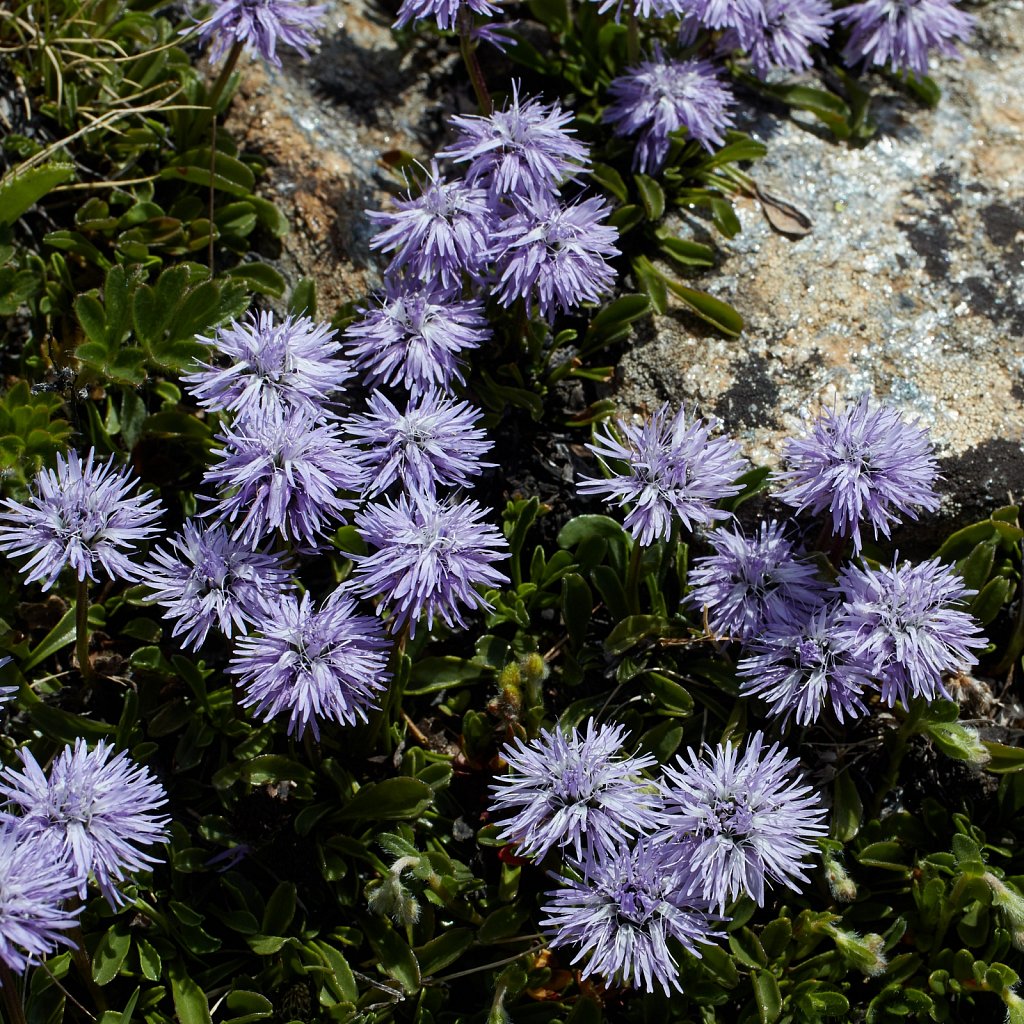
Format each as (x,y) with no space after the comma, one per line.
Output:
(747,819)
(98,811)
(416,337)
(900,623)
(34,891)
(439,235)
(311,664)
(743,15)
(659,96)
(575,791)
(431,556)
(445,11)
(525,150)
(292,364)
(749,581)
(207,579)
(785,36)
(7,693)
(259,24)
(434,443)
(625,911)
(80,516)
(672,468)
(901,32)
(555,256)
(799,669)
(862,462)
(280,472)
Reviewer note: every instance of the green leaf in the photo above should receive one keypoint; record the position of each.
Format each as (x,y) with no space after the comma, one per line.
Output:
(847,809)
(631,630)
(768,996)
(581,528)
(58,638)
(395,956)
(247,1006)
(715,312)
(685,252)
(273,768)
(610,180)
(258,277)
(280,909)
(439,953)
(652,281)
(190,1003)
(577,605)
(826,106)
(990,600)
(390,800)
(109,955)
(303,299)
(430,675)
(229,174)
(669,695)
(21,188)
(651,195)
(340,971)
(1003,759)
(502,923)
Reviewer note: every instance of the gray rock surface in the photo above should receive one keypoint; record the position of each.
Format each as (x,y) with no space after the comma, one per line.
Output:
(910,286)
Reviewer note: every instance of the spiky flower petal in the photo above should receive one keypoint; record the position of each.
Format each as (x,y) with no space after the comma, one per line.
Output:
(574,790)
(97,808)
(430,558)
(749,819)
(783,37)
(903,624)
(671,467)
(861,463)
(82,516)
(624,913)
(260,25)
(313,663)
(290,364)
(445,12)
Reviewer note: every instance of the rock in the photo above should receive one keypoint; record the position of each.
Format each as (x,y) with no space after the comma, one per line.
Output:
(910,285)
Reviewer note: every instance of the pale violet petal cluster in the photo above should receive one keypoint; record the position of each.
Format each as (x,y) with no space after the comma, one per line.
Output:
(309,663)
(863,465)
(260,25)
(416,337)
(205,579)
(784,35)
(907,626)
(659,96)
(36,894)
(670,469)
(290,364)
(444,12)
(83,516)
(434,443)
(623,915)
(902,33)
(576,790)
(282,472)
(749,820)
(431,556)
(751,580)
(526,149)
(98,809)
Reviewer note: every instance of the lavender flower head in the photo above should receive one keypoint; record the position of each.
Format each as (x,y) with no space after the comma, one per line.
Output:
(292,364)
(416,337)
(524,150)
(799,669)
(97,810)
(748,819)
(434,443)
(260,25)
(743,15)
(313,663)
(280,472)
(431,556)
(574,791)
(206,580)
(439,235)
(624,912)
(554,256)
(902,625)
(783,39)
(34,891)
(901,33)
(82,516)
(749,581)
(659,96)
(861,463)
(7,693)
(672,468)
(446,12)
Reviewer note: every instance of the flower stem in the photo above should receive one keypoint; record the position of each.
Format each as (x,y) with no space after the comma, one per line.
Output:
(82,631)
(898,748)
(212,101)
(14,1010)
(83,964)
(633,39)
(476,75)
(636,557)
